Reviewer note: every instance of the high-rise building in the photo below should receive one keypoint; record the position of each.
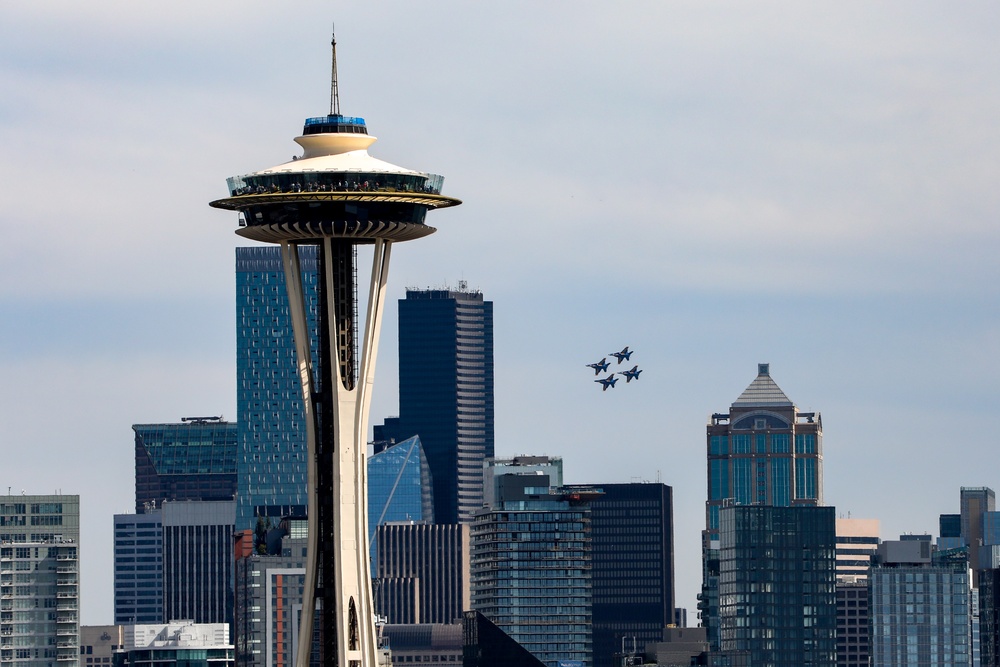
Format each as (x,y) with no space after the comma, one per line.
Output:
(950,525)
(269,601)
(531,560)
(777,597)
(193,460)
(422,572)
(976,503)
(853,635)
(271,434)
(139,568)
(632,567)
(335,197)
(399,485)
(198,560)
(857,542)
(989,616)
(921,607)
(446,391)
(763,451)
(39,580)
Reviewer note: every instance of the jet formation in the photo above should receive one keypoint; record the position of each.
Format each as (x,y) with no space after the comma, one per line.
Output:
(602,367)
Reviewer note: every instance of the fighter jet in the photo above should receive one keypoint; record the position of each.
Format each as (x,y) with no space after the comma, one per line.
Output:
(632,374)
(623,355)
(600,366)
(607,382)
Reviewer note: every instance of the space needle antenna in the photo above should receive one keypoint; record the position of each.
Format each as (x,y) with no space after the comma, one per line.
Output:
(334,92)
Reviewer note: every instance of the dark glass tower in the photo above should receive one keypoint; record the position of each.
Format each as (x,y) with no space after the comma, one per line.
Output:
(777,584)
(193,460)
(633,550)
(446,392)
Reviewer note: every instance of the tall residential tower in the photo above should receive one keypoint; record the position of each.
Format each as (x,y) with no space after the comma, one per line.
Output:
(271,436)
(39,580)
(336,197)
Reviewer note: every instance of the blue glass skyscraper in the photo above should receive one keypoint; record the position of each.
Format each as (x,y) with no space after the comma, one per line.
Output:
(399,485)
(271,455)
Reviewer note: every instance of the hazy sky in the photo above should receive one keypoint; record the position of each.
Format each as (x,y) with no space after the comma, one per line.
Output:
(715,184)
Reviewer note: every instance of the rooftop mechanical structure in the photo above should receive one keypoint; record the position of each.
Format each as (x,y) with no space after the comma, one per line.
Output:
(336,196)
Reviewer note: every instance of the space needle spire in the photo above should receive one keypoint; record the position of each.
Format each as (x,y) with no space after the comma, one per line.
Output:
(336,197)
(334,91)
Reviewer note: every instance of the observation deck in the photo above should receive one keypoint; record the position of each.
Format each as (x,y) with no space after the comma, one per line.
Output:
(336,189)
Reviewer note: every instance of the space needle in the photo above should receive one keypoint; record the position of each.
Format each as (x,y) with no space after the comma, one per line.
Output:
(335,197)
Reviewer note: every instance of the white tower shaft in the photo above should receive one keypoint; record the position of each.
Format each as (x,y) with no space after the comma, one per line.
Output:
(351,591)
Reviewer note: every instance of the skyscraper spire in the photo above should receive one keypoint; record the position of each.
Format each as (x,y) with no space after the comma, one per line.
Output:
(334,92)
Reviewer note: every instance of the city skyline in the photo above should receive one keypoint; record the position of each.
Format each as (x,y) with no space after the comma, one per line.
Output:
(805,186)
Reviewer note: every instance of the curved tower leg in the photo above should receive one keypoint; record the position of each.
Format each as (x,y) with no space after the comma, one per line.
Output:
(303,353)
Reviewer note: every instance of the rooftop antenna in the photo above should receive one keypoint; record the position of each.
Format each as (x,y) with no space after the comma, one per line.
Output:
(334,92)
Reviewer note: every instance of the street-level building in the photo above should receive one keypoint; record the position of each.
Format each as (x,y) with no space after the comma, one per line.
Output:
(175,644)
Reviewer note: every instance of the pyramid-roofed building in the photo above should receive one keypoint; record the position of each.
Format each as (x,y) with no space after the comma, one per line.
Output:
(763,392)
(763,451)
